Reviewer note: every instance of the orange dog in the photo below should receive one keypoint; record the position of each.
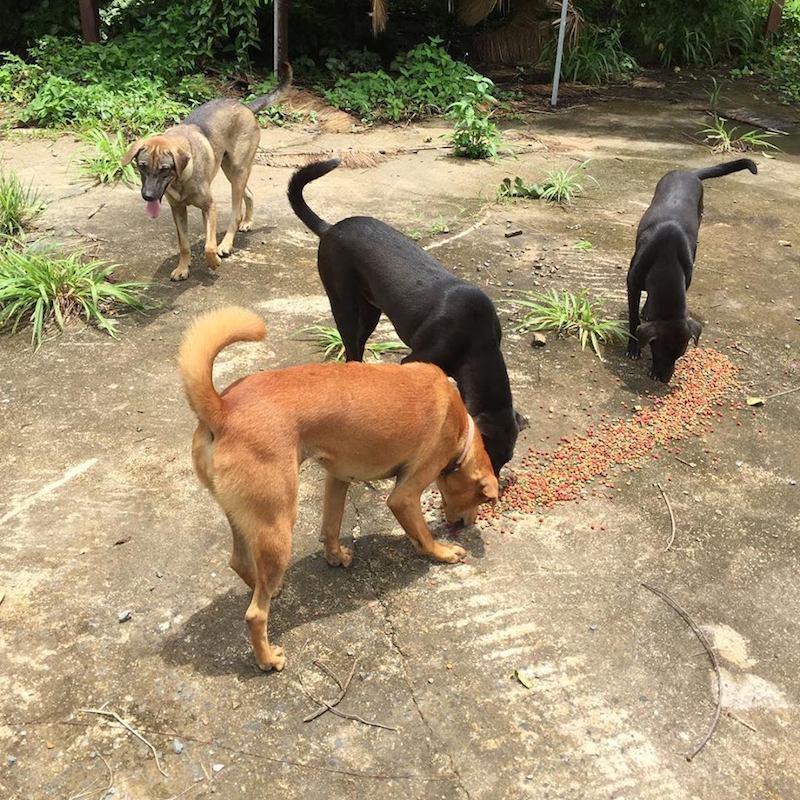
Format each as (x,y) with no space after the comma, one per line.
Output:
(360,421)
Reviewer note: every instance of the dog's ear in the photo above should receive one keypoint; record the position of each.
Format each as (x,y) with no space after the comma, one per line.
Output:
(133,151)
(489,487)
(181,159)
(695,329)
(646,334)
(522,422)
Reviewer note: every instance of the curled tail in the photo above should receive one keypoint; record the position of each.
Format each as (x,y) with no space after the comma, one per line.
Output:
(296,185)
(727,168)
(284,81)
(208,334)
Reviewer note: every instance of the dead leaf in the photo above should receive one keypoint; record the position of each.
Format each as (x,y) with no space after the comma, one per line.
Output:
(123,540)
(524,677)
(755,401)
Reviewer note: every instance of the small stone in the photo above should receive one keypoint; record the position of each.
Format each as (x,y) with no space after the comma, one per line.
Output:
(792,482)
(124,615)
(515,232)
(538,340)
(217,767)
(430,680)
(11,760)
(177,746)
(163,626)
(784,243)
(593,627)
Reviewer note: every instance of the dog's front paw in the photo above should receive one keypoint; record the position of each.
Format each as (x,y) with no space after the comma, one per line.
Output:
(448,553)
(212,259)
(343,557)
(245,225)
(180,273)
(634,351)
(277,660)
(225,249)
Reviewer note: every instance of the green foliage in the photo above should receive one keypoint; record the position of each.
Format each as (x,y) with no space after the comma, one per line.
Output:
(102,164)
(722,139)
(559,186)
(690,33)
(510,189)
(596,58)
(425,80)
(42,287)
(583,245)
(568,314)
(474,134)
(781,61)
(328,342)
(19,204)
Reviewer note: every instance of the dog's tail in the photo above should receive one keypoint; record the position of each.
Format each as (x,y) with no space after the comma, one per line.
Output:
(727,168)
(296,185)
(209,334)
(285,75)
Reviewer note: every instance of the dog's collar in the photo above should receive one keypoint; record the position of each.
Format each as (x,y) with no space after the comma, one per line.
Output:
(456,463)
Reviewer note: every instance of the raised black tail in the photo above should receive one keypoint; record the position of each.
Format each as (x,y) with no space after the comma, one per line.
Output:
(303,176)
(727,168)
(284,81)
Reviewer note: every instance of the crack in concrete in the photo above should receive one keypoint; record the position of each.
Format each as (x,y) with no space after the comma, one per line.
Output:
(391,634)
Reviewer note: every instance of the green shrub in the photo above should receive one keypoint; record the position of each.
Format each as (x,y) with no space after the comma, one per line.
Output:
(474,133)
(596,58)
(43,287)
(425,80)
(780,62)
(103,162)
(19,204)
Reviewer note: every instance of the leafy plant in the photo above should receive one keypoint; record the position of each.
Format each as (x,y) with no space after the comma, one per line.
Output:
(713,95)
(518,188)
(597,56)
(328,341)
(474,134)
(582,244)
(43,287)
(562,185)
(569,314)
(722,139)
(19,204)
(103,163)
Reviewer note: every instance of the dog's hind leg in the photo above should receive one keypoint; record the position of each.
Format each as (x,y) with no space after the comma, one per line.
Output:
(247,222)
(405,504)
(210,222)
(238,178)
(335,494)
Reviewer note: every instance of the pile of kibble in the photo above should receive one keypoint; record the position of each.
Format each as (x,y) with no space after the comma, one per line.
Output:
(702,381)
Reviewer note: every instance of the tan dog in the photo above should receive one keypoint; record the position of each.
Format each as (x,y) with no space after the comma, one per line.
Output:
(360,421)
(183,161)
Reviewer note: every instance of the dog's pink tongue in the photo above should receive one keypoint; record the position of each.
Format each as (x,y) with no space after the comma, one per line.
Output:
(153,208)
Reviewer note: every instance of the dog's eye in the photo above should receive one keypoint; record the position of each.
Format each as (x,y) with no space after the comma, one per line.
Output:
(164,167)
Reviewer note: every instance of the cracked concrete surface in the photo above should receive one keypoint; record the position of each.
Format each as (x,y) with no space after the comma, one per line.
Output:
(101,512)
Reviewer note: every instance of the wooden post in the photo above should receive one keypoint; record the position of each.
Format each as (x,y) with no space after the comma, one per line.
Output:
(281,33)
(774,18)
(90,20)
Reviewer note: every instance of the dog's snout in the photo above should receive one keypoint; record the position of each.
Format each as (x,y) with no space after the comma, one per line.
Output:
(149,196)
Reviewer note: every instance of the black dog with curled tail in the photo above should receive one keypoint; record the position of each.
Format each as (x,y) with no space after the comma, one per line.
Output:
(666,243)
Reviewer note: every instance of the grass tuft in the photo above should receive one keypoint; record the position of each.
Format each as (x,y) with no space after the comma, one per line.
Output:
(19,204)
(569,314)
(560,186)
(103,163)
(328,341)
(722,139)
(43,287)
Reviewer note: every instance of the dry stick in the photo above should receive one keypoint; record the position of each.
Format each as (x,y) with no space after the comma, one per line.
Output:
(671,517)
(781,394)
(688,463)
(712,656)
(345,715)
(115,716)
(343,687)
(741,721)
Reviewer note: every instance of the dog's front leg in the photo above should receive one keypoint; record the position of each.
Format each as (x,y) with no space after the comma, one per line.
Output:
(210,220)
(333,510)
(634,299)
(179,216)
(404,501)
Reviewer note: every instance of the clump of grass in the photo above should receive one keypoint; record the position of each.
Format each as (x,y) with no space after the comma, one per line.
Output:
(103,163)
(560,186)
(45,288)
(569,314)
(328,341)
(582,244)
(722,139)
(19,204)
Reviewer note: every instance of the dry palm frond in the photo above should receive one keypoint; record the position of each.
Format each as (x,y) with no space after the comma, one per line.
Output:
(380,14)
(574,25)
(471,12)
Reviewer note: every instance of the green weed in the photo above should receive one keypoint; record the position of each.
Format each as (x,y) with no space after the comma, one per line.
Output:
(568,314)
(582,244)
(596,58)
(19,204)
(517,187)
(42,287)
(103,163)
(722,139)
(474,134)
(328,341)
(563,185)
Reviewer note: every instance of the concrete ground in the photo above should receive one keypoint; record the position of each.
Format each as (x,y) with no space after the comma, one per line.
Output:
(100,512)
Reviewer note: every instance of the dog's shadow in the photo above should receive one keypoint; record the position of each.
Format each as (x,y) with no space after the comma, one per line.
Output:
(214,640)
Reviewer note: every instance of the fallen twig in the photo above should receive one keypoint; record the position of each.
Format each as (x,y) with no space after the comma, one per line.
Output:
(343,687)
(741,721)
(671,517)
(115,716)
(735,346)
(96,211)
(688,463)
(712,656)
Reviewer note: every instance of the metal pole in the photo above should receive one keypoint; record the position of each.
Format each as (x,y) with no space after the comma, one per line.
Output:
(280,15)
(559,52)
